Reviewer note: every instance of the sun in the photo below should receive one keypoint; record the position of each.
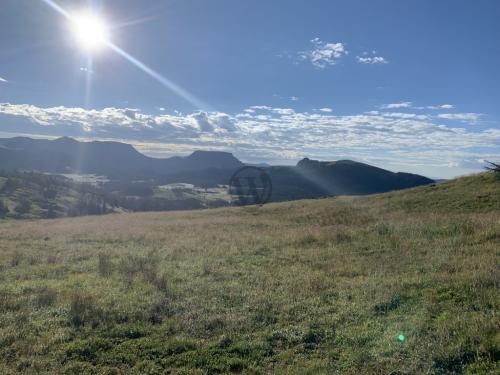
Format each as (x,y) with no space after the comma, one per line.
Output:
(90,31)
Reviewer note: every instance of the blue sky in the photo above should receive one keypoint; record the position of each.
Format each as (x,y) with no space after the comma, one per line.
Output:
(405,85)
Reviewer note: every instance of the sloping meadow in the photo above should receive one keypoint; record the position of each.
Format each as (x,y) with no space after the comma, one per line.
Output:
(399,283)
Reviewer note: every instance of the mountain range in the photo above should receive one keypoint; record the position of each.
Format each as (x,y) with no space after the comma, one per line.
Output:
(125,167)
(112,159)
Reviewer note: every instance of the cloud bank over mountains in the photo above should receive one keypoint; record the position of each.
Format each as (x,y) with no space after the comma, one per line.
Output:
(280,135)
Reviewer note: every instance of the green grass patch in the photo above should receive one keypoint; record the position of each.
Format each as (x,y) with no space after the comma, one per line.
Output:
(398,283)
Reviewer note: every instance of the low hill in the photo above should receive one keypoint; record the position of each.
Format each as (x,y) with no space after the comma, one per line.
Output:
(313,179)
(398,283)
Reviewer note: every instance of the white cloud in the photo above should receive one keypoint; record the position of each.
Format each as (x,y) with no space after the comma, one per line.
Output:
(126,123)
(371,58)
(324,54)
(222,121)
(442,106)
(325,110)
(201,122)
(281,111)
(294,98)
(278,135)
(397,105)
(374,60)
(3,80)
(463,117)
(404,115)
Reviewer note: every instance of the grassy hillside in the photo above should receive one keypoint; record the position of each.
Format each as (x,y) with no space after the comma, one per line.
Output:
(399,283)
(26,195)
(29,195)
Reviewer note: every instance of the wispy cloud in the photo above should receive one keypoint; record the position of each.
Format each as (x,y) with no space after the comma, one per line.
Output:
(405,115)
(371,58)
(324,54)
(463,117)
(374,60)
(3,80)
(442,106)
(325,110)
(397,105)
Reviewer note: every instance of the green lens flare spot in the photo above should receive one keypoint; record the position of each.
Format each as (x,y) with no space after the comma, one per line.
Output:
(401,338)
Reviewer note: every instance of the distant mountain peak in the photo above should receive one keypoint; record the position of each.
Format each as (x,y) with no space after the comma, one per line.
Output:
(220,159)
(311,163)
(203,153)
(66,140)
(306,162)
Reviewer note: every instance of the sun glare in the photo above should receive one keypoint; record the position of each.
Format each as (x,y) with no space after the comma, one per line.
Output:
(91,31)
